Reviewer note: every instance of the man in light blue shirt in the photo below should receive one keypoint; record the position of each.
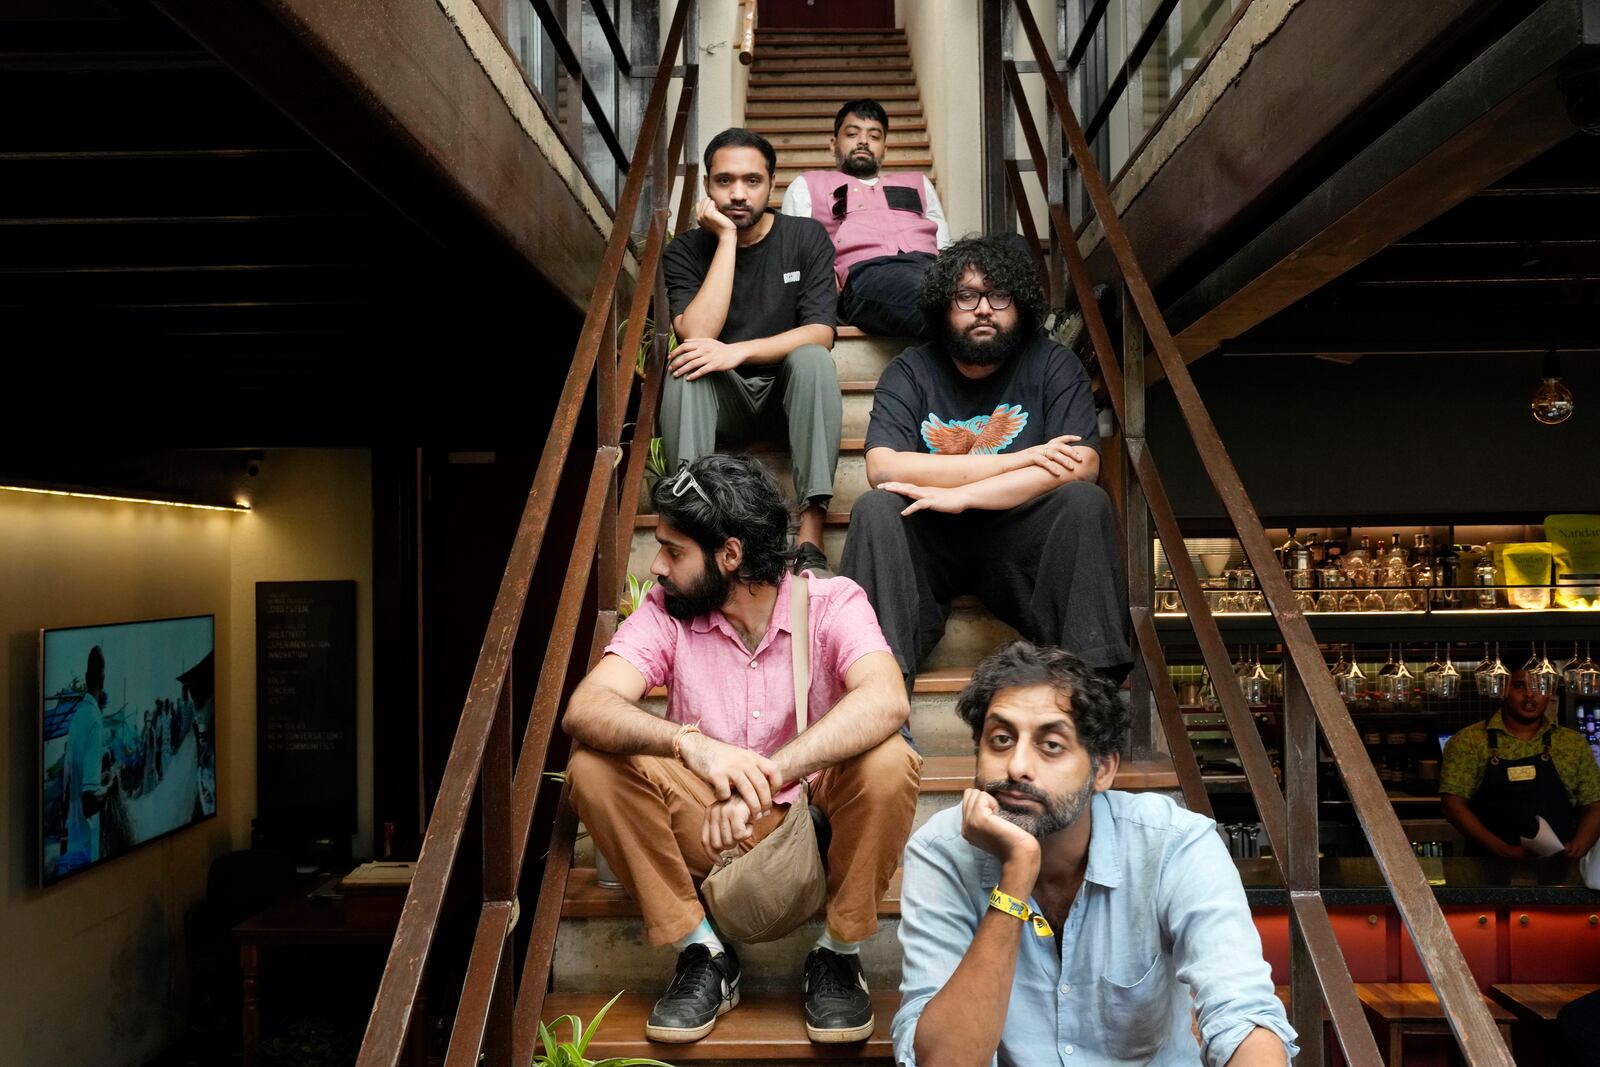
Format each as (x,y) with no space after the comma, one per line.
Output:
(1115,919)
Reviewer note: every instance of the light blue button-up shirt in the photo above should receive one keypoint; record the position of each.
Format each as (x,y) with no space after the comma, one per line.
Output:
(1160,927)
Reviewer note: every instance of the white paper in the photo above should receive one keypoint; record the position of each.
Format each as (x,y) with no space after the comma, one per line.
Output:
(1589,868)
(1544,842)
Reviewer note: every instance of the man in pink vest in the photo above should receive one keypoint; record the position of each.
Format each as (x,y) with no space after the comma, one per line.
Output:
(886,227)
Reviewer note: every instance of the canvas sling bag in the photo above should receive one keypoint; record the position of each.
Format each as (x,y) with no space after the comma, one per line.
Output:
(763,894)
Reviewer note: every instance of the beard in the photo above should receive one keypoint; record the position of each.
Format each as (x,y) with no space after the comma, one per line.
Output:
(746,221)
(864,165)
(1059,812)
(960,346)
(706,595)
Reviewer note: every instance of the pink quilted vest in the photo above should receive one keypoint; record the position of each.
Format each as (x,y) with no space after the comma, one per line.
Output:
(869,227)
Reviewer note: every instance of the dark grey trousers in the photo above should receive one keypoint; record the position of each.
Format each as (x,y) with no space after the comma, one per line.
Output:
(1050,568)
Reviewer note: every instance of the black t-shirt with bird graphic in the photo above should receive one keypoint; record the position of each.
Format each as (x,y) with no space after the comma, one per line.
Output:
(924,404)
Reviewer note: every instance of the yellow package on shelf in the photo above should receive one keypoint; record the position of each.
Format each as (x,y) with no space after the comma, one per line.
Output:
(1524,568)
(1575,551)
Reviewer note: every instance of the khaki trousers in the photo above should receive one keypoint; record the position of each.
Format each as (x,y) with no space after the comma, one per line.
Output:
(645,815)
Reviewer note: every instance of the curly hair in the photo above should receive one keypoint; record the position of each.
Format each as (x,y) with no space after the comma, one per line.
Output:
(1001,262)
(1099,717)
(745,503)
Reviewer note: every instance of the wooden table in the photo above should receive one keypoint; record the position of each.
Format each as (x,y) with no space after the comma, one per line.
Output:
(1395,1009)
(368,919)
(1536,1004)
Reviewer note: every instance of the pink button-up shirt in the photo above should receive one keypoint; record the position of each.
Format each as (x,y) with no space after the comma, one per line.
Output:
(741,697)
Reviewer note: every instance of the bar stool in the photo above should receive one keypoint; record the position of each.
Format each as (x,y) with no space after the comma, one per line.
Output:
(1395,1009)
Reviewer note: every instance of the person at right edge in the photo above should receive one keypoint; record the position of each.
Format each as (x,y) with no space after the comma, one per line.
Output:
(983,453)
(1502,775)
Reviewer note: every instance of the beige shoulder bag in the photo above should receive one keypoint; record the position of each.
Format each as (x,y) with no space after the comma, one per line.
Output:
(763,894)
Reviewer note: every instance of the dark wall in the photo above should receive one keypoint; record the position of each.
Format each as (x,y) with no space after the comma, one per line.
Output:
(1425,438)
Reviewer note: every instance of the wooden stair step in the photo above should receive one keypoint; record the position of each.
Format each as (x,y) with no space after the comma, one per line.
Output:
(801,57)
(823,108)
(763,1027)
(770,126)
(835,93)
(844,76)
(828,34)
(587,899)
(806,141)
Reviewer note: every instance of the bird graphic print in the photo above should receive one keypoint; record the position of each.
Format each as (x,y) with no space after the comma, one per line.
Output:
(981,435)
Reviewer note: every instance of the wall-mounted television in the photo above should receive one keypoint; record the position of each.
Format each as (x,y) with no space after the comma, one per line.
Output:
(128,717)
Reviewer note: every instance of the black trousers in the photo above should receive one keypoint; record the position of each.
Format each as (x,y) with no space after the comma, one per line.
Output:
(1050,568)
(880,295)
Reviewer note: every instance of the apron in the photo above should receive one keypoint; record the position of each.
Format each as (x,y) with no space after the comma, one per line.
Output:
(1515,792)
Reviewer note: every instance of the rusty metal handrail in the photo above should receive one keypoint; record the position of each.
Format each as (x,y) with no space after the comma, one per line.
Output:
(1310,697)
(489,1022)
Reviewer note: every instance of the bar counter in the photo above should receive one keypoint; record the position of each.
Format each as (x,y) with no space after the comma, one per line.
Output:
(1468,881)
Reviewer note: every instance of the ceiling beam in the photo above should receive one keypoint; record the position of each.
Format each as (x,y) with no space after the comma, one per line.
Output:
(1503,109)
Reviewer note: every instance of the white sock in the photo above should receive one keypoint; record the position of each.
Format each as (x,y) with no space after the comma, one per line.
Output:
(700,935)
(834,944)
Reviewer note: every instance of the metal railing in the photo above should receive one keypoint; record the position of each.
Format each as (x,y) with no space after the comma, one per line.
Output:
(497,1017)
(1318,972)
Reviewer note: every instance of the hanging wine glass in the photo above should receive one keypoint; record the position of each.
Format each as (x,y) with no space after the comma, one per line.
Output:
(1588,674)
(1256,685)
(1531,664)
(1431,673)
(1402,683)
(1353,683)
(1544,678)
(1449,678)
(1208,695)
(1569,669)
(1338,670)
(1491,679)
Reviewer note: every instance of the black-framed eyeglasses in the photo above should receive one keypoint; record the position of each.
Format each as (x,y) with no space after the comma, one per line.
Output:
(967,299)
(685,482)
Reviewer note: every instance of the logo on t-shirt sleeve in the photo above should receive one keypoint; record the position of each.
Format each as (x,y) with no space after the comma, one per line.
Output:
(981,435)
(790,276)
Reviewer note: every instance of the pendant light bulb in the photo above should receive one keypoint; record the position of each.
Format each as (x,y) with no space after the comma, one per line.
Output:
(1552,402)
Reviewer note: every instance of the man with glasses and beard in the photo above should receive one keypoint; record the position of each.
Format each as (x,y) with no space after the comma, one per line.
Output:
(752,301)
(1053,919)
(983,451)
(663,798)
(886,226)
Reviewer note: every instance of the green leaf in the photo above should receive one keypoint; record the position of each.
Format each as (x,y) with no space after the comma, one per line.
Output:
(549,1046)
(588,1035)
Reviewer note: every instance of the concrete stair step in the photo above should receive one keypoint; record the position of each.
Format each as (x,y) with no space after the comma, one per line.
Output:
(762,1029)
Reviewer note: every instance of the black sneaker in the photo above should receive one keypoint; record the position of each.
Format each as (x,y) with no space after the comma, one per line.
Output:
(811,559)
(838,1006)
(703,987)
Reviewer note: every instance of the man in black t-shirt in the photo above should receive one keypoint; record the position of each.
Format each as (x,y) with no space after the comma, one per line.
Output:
(752,298)
(984,452)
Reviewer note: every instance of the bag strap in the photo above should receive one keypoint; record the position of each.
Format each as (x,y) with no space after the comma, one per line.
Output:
(800,648)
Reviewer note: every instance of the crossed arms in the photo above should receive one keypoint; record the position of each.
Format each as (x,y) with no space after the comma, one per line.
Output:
(954,483)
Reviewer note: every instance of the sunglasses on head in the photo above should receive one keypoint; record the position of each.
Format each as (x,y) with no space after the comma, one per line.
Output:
(684,481)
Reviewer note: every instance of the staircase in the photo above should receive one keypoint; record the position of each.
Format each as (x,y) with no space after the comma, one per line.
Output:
(799,79)
(589,940)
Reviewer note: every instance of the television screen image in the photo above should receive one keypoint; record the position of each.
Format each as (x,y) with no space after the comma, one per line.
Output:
(129,742)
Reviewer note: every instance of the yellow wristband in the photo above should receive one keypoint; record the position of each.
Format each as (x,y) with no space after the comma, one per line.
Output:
(1012,906)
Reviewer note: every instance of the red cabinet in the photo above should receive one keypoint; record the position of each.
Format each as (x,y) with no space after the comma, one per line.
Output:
(1476,931)
(1553,944)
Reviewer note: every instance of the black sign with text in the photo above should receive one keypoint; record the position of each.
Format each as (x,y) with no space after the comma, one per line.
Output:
(306,706)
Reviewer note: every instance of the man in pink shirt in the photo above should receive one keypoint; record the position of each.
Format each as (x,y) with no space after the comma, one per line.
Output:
(663,798)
